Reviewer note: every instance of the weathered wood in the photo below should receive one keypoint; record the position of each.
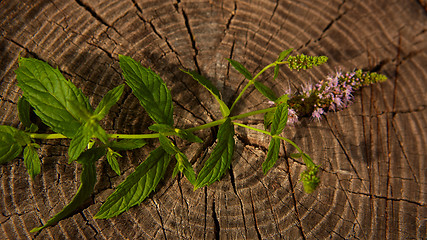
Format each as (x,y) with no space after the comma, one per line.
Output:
(372,154)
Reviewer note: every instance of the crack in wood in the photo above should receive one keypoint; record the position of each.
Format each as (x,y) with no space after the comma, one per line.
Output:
(347,199)
(205,213)
(61,70)
(344,151)
(242,209)
(420,204)
(228,73)
(294,201)
(153,27)
(326,28)
(398,137)
(217,227)
(89,224)
(104,50)
(254,214)
(274,10)
(160,217)
(405,156)
(189,111)
(341,4)
(94,14)
(64,29)
(22,46)
(388,139)
(182,193)
(192,39)
(2,99)
(190,33)
(233,13)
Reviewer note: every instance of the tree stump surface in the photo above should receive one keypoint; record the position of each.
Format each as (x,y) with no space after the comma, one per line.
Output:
(372,155)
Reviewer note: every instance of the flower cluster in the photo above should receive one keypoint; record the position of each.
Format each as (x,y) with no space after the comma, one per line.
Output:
(305,62)
(332,94)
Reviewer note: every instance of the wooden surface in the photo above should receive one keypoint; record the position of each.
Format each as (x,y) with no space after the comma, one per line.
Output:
(372,155)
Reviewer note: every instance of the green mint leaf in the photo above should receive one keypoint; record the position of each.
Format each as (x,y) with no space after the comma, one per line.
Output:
(266,91)
(272,155)
(184,166)
(112,160)
(59,104)
(282,99)
(212,89)
(284,54)
(281,57)
(221,156)
(187,135)
(10,147)
(276,72)
(296,155)
(167,145)
(308,161)
(268,119)
(126,144)
(280,119)
(98,131)
(83,136)
(79,142)
(19,136)
(239,67)
(87,183)
(24,109)
(22,137)
(204,82)
(108,101)
(32,160)
(150,90)
(161,128)
(137,186)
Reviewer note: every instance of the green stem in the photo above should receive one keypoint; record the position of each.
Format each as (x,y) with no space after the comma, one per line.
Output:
(269,134)
(156,135)
(135,136)
(221,121)
(250,83)
(241,94)
(292,143)
(307,160)
(47,135)
(252,128)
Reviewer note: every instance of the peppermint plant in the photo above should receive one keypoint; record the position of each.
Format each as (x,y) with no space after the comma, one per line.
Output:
(64,108)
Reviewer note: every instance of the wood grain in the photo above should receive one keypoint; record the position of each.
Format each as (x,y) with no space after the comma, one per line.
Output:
(372,155)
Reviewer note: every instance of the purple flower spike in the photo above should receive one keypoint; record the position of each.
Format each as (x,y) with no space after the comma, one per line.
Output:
(334,93)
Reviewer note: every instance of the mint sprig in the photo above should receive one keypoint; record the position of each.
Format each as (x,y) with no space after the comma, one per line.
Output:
(66,110)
